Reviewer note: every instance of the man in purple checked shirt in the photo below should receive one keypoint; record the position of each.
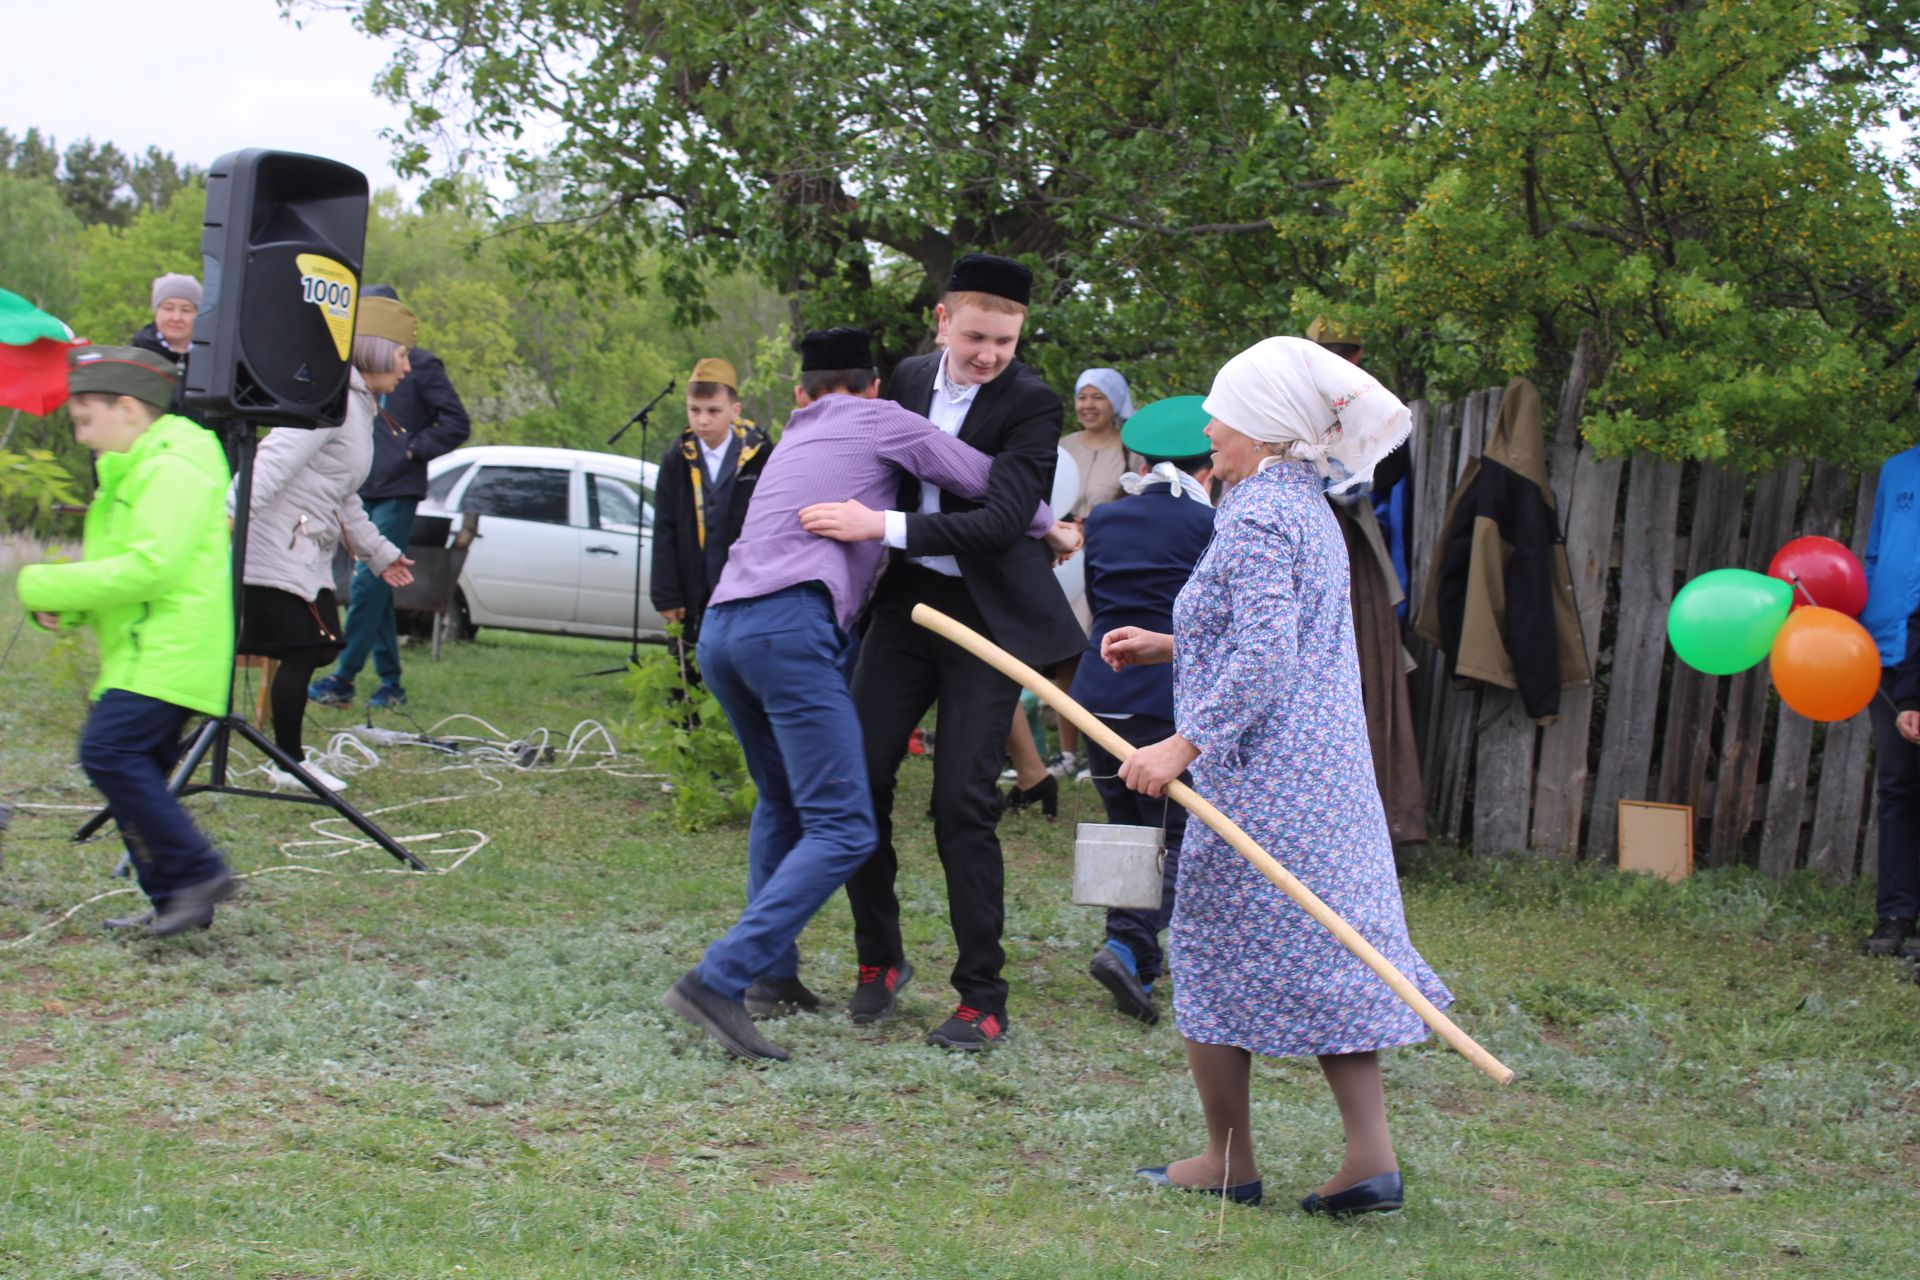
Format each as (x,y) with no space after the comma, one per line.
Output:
(776,653)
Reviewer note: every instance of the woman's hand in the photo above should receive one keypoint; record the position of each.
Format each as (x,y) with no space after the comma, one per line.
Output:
(1125,647)
(398,574)
(1908,723)
(847,521)
(1064,540)
(1150,769)
(46,620)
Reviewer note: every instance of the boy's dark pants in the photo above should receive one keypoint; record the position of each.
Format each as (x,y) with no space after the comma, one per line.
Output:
(1140,930)
(128,749)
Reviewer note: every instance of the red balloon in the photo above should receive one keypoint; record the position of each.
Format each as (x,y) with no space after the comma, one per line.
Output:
(1825,665)
(1823,573)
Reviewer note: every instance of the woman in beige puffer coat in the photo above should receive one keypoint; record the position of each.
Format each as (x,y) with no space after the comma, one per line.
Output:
(305,500)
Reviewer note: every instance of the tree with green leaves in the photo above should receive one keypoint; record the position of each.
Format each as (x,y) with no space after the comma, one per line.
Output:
(1689,181)
(1146,159)
(1473,182)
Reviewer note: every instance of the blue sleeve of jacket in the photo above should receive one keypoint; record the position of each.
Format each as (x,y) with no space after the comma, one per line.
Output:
(447,425)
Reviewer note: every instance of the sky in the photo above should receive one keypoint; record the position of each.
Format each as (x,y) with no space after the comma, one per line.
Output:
(198,78)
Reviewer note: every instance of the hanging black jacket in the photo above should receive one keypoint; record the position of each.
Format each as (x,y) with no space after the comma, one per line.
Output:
(1499,598)
(697,519)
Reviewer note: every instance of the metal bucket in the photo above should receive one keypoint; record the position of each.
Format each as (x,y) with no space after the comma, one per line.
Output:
(1118,866)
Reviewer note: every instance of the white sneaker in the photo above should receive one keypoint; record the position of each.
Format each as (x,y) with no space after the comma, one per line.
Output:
(1065,764)
(281,778)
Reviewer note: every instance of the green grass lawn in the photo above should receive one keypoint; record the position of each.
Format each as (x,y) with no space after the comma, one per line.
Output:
(369,1074)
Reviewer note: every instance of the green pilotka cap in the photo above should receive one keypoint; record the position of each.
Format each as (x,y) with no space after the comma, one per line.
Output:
(123,371)
(1172,428)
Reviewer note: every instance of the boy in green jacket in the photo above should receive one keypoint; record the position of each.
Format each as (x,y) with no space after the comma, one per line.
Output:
(157,590)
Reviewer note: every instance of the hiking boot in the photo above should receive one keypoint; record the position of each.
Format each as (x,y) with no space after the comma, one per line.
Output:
(141,921)
(387,696)
(723,1019)
(874,998)
(331,691)
(969,1030)
(780,998)
(1889,935)
(192,907)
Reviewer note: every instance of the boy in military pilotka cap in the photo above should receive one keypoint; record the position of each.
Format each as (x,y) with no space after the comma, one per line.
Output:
(700,497)
(157,590)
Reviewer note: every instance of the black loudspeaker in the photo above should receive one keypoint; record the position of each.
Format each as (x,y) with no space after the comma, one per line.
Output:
(282,244)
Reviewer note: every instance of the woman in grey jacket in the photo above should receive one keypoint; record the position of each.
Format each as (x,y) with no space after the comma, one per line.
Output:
(305,500)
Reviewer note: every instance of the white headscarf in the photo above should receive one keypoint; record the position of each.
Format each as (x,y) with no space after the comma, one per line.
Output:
(1182,484)
(1109,383)
(1329,411)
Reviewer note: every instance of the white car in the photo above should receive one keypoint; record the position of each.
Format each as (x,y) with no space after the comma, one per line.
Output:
(561,533)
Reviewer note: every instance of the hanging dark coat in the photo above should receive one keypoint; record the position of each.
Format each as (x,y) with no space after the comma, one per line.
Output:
(698,518)
(1499,598)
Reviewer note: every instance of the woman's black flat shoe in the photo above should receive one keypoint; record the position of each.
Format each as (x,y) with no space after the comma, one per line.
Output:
(1045,793)
(1247,1193)
(1378,1194)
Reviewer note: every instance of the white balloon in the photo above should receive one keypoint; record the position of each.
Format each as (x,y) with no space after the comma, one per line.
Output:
(1066,485)
(1072,576)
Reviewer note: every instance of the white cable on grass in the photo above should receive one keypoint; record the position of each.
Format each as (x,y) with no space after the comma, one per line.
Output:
(347,753)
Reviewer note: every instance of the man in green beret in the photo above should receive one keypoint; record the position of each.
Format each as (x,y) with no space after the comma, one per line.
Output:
(1140,551)
(156,587)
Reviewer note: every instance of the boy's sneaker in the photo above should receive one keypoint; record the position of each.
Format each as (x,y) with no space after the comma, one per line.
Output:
(779,998)
(331,691)
(1065,764)
(969,1030)
(874,998)
(387,695)
(1889,935)
(1114,968)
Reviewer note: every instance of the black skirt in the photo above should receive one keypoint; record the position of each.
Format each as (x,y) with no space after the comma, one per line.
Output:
(279,622)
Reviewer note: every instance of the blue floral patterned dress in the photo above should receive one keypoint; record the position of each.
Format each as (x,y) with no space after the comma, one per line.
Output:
(1267,685)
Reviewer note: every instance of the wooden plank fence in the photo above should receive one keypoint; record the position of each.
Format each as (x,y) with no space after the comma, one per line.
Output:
(1767,786)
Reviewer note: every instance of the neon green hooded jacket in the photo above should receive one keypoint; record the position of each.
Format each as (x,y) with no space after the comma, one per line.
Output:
(155,586)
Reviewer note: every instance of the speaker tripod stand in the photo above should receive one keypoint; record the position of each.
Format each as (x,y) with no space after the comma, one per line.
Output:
(215,735)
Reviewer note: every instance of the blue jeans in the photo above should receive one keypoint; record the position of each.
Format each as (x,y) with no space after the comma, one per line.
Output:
(128,748)
(370,629)
(779,665)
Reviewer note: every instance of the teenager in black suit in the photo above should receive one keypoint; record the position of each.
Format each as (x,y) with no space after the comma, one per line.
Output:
(972,561)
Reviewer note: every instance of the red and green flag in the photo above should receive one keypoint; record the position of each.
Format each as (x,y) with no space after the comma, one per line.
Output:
(33,356)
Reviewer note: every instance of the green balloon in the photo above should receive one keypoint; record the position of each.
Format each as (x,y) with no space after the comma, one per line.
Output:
(1724,621)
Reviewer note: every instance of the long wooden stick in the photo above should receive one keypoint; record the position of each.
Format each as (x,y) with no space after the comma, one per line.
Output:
(1014,669)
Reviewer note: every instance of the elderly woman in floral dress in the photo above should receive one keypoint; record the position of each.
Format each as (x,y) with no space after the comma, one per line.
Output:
(1269,718)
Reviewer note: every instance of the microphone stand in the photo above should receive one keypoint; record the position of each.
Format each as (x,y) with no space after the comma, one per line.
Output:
(643,417)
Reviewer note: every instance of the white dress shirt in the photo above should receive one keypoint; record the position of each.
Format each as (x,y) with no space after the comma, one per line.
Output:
(715,458)
(948,411)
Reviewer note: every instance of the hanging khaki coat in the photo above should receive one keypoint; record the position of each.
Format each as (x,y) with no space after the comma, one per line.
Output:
(1499,598)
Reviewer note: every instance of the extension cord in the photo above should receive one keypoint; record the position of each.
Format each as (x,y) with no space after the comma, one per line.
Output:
(386,737)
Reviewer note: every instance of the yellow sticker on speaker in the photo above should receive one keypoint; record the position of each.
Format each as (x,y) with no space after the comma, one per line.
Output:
(332,288)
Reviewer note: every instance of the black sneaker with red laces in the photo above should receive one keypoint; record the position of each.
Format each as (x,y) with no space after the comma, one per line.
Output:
(970,1030)
(874,999)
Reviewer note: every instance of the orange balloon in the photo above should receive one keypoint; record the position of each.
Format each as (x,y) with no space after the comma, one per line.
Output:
(1825,665)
